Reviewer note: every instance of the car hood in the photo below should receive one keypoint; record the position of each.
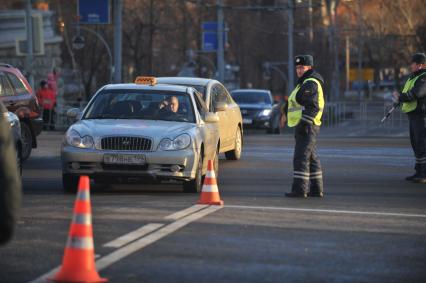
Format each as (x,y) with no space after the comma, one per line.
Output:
(255,106)
(116,127)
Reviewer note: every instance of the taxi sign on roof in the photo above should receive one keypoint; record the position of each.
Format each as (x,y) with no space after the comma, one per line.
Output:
(146,80)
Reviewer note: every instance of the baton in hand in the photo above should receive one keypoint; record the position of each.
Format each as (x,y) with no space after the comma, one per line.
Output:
(395,106)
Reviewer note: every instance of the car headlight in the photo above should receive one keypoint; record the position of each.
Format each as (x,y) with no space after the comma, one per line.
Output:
(180,142)
(265,112)
(12,118)
(73,138)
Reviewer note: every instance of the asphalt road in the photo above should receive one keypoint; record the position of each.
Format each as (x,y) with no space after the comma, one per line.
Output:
(370,227)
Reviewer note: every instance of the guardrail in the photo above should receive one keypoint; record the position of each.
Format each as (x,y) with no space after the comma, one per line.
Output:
(363,113)
(58,117)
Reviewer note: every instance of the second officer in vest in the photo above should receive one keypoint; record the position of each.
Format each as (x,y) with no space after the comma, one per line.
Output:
(304,112)
(413,98)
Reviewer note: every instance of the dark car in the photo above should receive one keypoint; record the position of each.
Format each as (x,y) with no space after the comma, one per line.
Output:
(255,105)
(274,119)
(19,98)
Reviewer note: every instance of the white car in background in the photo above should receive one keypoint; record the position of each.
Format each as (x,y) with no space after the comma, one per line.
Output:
(218,100)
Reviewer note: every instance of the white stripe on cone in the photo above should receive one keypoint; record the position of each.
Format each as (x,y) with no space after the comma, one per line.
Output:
(210,189)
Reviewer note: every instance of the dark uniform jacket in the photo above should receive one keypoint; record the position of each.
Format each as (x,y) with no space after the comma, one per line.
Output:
(418,92)
(10,181)
(307,96)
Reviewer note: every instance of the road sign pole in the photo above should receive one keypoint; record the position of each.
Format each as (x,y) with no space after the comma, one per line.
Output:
(220,42)
(290,11)
(118,6)
(30,57)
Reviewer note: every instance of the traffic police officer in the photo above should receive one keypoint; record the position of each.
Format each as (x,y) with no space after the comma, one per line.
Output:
(413,98)
(304,111)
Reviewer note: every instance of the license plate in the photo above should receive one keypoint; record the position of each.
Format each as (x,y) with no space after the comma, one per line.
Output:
(247,121)
(125,159)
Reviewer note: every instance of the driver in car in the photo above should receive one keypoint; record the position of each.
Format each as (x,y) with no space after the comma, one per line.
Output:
(170,106)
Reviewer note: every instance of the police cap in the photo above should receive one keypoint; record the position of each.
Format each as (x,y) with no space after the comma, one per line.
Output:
(419,58)
(304,60)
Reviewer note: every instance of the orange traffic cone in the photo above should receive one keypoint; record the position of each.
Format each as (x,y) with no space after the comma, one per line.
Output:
(210,191)
(78,263)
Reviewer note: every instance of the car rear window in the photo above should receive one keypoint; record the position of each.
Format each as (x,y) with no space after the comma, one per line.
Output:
(17,84)
(6,88)
(251,97)
(141,104)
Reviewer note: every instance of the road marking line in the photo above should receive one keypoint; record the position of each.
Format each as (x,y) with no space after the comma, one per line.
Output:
(119,254)
(125,251)
(327,211)
(130,237)
(185,212)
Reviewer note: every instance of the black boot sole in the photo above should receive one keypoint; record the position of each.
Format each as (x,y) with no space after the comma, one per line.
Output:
(294,195)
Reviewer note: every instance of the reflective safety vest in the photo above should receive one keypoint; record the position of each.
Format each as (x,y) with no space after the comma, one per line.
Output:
(294,113)
(408,107)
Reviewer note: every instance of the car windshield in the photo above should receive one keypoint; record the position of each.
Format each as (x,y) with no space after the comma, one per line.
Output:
(251,97)
(141,104)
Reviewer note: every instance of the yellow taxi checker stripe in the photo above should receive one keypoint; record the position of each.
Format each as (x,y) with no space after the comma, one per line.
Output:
(81,243)
(82,218)
(146,80)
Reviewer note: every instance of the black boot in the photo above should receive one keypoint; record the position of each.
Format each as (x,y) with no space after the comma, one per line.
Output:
(412,177)
(316,194)
(420,179)
(296,195)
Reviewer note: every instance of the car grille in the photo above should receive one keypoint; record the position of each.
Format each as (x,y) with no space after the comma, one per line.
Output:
(249,112)
(126,143)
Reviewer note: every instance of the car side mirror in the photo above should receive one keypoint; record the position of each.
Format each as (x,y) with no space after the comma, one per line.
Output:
(74,114)
(220,106)
(210,117)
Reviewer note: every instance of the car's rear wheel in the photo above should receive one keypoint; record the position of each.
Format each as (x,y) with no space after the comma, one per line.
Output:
(195,185)
(27,141)
(70,183)
(235,154)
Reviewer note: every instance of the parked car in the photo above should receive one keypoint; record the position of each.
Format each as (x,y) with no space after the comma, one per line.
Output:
(274,119)
(16,132)
(218,100)
(255,105)
(19,98)
(141,131)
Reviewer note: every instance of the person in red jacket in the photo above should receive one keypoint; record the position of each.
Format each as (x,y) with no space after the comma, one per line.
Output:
(47,99)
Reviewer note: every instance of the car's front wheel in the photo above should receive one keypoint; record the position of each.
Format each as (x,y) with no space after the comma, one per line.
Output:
(70,183)
(195,185)
(27,141)
(235,154)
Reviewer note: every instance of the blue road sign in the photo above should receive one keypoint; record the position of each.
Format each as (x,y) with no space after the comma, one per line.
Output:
(94,11)
(209,37)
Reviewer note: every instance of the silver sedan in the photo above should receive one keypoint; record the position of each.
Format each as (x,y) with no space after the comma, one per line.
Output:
(131,132)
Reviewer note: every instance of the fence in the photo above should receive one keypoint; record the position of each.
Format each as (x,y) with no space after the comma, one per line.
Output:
(363,114)
(58,118)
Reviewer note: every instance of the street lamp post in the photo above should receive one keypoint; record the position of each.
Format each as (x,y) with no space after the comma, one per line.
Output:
(106,46)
